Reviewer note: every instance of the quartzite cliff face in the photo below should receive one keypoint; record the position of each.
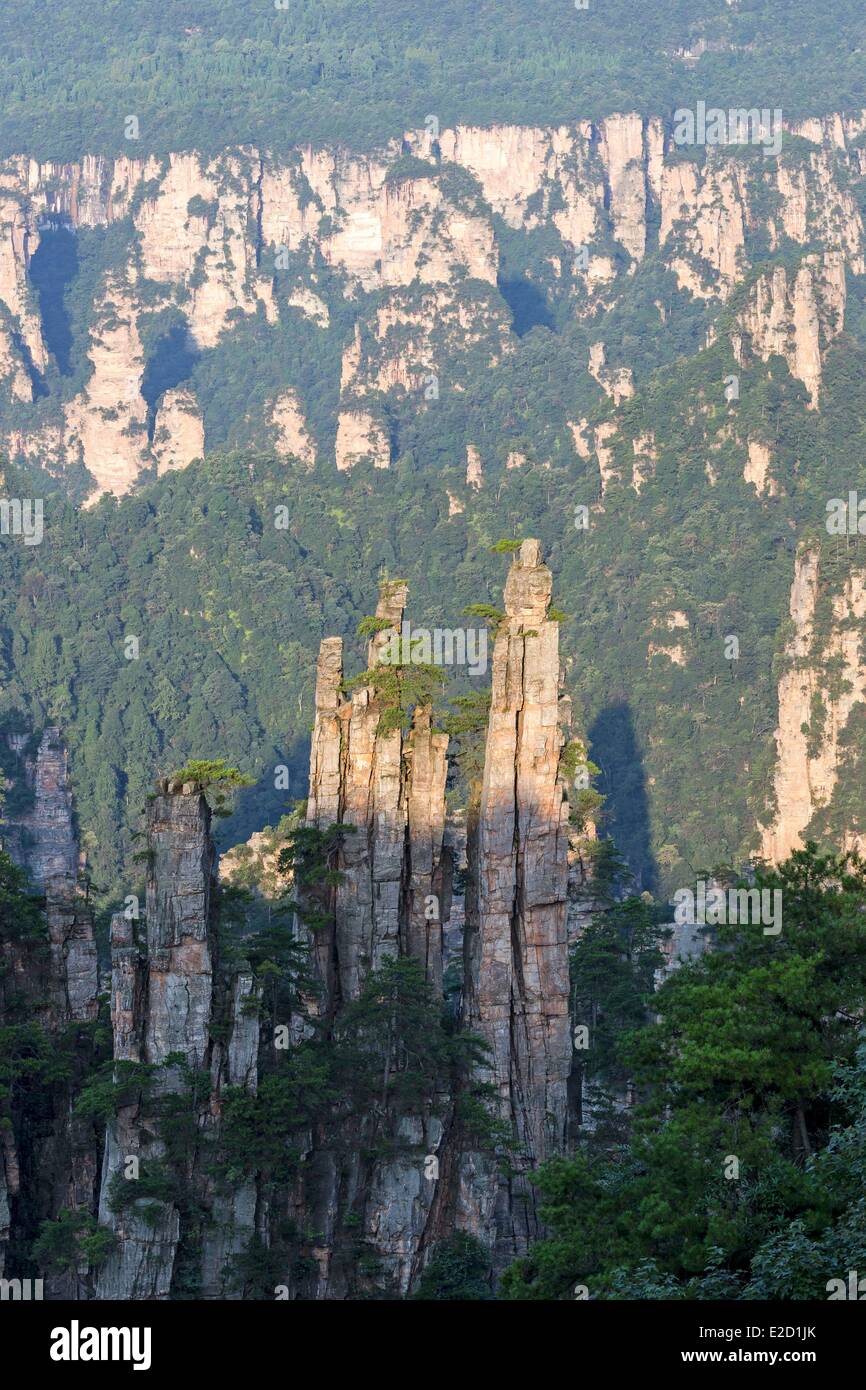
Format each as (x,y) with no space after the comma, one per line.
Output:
(414,250)
(395,898)
(517,946)
(166,999)
(50,1167)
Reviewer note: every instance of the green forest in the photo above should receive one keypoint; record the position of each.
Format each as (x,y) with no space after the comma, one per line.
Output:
(231,572)
(206,74)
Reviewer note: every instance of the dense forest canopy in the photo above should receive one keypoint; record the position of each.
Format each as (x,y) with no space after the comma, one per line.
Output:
(204,74)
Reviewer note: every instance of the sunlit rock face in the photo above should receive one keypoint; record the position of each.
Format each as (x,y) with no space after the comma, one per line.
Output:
(245,236)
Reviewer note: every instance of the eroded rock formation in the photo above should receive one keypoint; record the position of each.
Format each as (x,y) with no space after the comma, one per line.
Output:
(166,997)
(368,1184)
(224,239)
(394,900)
(814,708)
(517,949)
(51,982)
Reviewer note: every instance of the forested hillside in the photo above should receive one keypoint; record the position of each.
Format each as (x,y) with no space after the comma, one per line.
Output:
(206,74)
(229,599)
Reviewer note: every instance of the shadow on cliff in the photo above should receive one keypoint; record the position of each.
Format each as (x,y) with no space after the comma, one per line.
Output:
(53,269)
(528,305)
(170,362)
(614,748)
(264,804)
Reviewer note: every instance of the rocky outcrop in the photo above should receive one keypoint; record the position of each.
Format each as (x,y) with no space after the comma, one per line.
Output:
(795,318)
(390,787)
(196,233)
(106,426)
(166,997)
(361,438)
(293,437)
(517,949)
(44,841)
(818,206)
(178,435)
(19,240)
(589,440)
(50,982)
(622,149)
(14,379)
(704,221)
(311,305)
(474,468)
(378,230)
(616,382)
(757,469)
(387,787)
(813,710)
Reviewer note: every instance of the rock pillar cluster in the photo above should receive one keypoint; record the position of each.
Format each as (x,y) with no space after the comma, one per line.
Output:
(166,997)
(388,787)
(373,1179)
(395,896)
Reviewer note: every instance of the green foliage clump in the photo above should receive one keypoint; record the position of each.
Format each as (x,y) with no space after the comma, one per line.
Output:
(466,725)
(113,1086)
(21,911)
(212,772)
(741,1173)
(310,858)
(368,626)
(216,779)
(389,1051)
(459,1271)
(493,617)
(577,770)
(399,689)
(74,1239)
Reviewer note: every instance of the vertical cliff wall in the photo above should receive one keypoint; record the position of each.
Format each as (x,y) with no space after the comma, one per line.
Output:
(387,787)
(820,691)
(52,1166)
(418,253)
(517,947)
(166,998)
